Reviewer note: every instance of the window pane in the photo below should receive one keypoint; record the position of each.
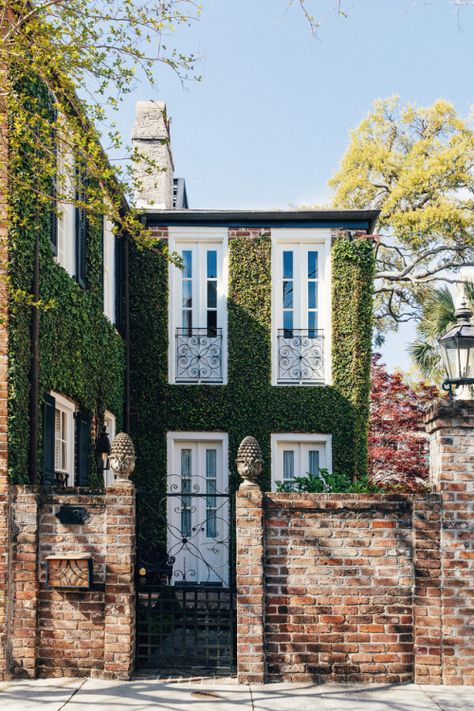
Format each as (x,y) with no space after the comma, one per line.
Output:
(188,264)
(287,294)
(212,264)
(287,265)
(313,462)
(211,524)
(312,324)
(212,323)
(185,462)
(187,294)
(288,464)
(312,265)
(187,321)
(312,295)
(212,294)
(211,459)
(288,323)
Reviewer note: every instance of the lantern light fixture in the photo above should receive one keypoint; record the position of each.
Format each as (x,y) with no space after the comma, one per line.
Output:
(457,353)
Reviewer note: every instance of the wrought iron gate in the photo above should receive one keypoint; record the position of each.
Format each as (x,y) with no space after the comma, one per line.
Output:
(185,578)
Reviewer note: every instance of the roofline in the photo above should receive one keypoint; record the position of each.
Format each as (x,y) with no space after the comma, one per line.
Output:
(355,219)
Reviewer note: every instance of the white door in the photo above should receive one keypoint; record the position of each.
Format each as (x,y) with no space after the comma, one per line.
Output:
(198,513)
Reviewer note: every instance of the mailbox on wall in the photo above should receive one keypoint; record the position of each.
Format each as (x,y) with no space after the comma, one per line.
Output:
(69,572)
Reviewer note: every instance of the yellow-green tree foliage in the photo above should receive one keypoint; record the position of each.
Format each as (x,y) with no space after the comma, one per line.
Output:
(416,166)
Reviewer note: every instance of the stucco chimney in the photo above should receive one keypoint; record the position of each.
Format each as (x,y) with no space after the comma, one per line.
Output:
(151,139)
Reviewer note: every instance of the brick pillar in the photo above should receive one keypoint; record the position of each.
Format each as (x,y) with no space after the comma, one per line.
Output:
(119,633)
(250,582)
(450,426)
(23,592)
(427,590)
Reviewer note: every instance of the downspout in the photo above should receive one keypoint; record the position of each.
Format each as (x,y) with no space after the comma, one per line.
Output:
(126,296)
(34,365)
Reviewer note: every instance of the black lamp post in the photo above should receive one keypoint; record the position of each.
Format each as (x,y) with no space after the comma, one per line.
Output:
(457,351)
(103,450)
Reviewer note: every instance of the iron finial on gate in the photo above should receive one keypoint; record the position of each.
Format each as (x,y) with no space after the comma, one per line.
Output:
(249,461)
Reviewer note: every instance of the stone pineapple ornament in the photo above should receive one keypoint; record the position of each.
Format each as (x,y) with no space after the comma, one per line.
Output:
(249,461)
(122,457)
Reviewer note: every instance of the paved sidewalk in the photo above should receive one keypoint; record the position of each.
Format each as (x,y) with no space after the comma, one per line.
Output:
(225,695)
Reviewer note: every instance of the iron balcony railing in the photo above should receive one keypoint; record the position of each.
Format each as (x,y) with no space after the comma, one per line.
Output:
(300,356)
(198,355)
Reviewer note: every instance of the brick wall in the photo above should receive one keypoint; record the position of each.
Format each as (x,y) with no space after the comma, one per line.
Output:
(451,430)
(58,633)
(338,581)
(363,587)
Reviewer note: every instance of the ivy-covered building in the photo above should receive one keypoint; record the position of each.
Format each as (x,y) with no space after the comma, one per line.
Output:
(63,300)
(259,324)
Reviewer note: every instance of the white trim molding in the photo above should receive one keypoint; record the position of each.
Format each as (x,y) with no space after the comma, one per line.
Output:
(68,408)
(321,442)
(302,240)
(197,240)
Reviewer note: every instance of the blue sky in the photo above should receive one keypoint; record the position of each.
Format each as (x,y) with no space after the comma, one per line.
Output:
(270,120)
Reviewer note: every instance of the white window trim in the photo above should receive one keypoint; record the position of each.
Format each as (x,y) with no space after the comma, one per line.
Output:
(173,438)
(205,236)
(70,408)
(109,255)
(109,475)
(299,438)
(66,210)
(321,238)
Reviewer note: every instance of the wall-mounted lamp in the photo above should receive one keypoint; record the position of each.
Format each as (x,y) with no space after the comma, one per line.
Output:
(102,448)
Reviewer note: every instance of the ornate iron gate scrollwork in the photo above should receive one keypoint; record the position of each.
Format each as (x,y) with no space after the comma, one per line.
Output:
(185,578)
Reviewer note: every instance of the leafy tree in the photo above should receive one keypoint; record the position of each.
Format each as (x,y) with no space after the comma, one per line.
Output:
(82,57)
(437,316)
(416,166)
(398,446)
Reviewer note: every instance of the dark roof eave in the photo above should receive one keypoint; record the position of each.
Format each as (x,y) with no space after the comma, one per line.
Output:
(265,218)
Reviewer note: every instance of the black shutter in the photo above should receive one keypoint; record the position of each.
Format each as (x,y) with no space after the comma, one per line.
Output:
(49,407)
(83,442)
(81,229)
(52,115)
(119,275)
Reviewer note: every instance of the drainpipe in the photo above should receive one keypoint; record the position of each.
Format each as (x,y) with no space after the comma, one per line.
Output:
(34,366)
(126,295)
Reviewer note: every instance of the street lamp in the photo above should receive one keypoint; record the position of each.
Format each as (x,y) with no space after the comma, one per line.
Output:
(457,352)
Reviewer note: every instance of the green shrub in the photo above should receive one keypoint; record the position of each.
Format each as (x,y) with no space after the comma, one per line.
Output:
(326,483)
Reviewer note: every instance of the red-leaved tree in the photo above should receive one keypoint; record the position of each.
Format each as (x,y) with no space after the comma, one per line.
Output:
(398,446)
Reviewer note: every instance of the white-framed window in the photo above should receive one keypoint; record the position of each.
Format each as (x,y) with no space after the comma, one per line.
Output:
(64,443)
(109,269)
(298,454)
(110,424)
(198,306)
(66,236)
(301,307)
(198,508)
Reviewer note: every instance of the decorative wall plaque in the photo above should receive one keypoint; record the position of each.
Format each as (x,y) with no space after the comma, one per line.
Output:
(69,572)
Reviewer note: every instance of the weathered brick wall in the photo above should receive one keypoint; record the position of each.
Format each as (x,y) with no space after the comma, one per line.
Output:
(363,587)
(71,624)
(451,430)
(338,581)
(62,632)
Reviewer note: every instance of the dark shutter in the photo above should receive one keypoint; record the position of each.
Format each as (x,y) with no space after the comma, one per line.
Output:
(52,115)
(119,276)
(83,443)
(49,406)
(81,229)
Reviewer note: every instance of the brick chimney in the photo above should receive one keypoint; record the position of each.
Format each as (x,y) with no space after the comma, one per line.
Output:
(151,139)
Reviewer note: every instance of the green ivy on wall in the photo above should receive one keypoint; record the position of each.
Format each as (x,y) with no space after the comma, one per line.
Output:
(249,404)
(81,354)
